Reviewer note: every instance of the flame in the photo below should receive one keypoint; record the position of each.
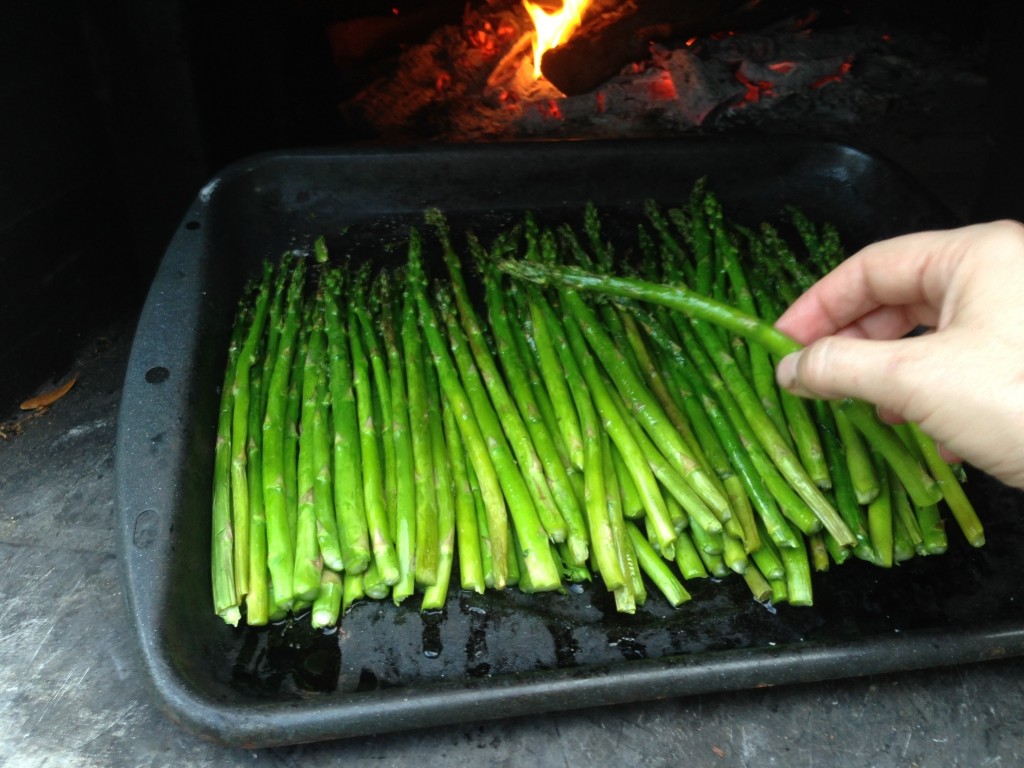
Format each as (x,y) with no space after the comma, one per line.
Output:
(554,28)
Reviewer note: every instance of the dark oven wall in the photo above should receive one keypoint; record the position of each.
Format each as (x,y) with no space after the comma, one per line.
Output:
(61,221)
(118,113)
(99,156)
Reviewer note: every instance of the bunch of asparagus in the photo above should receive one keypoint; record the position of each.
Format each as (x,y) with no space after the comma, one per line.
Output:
(545,420)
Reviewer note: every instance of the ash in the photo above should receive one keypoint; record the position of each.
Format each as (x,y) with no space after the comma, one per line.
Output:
(472,82)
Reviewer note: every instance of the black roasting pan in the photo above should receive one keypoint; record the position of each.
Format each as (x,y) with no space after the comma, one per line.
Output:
(390,668)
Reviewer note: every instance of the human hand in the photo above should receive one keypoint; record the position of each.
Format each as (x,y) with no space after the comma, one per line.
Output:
(963,380)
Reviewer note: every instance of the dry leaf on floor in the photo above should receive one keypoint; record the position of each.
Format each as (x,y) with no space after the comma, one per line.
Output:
(49,397)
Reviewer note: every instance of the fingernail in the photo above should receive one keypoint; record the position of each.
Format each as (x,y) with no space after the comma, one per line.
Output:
(889,416)
(785,372)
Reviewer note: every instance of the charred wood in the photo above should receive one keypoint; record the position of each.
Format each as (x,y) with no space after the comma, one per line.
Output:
(611,39)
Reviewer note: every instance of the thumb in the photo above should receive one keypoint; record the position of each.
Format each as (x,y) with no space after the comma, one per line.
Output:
(886,373)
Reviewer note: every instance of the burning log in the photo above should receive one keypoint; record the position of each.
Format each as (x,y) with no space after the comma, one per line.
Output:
(611,39)
(475,81)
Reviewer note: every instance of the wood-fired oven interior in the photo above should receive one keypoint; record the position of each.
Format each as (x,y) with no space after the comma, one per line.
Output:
(129,108)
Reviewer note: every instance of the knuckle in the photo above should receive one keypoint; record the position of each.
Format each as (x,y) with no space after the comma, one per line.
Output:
(900,376)
(1003,241)
(819,364)
(1012,230)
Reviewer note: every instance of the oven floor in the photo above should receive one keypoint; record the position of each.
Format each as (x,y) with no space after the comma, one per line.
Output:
(73,692)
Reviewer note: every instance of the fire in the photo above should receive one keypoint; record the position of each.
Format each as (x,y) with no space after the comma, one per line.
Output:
(554,27)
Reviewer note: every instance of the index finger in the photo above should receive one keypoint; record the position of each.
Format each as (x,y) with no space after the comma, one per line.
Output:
(912,272)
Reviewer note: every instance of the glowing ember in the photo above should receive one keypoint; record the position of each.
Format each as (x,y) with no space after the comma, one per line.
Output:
(554,27)
(835,77)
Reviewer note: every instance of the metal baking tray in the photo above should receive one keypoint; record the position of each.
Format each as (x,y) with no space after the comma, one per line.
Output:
(390,668)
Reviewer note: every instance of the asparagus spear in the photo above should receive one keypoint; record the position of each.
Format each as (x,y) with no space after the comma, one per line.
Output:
(904,545)
(257,600)
(642,404)
(467,536)
(308,560)
(280,549)
(771,440)
(796,410)
(922,487)
(656,568)
(554,380)
(618,431)
(514,304)
(761,365)
(603,548)
(929,521)
(953,493)
(702,414)
(293,415)
(693,505)
(402,518)
(443,422)
(533,536)
(374,585)
(632,592)
(760,587)
(273,333)
(733,553)
(497,528)
(632,504)
(714,564)
(247,357)
(225,595)
(327,604)
(483,538)
(768,560)
(906,522)
(902,515)
(760,477)
(547,451)
(505,408)
(655,377)
(419,566)
(858,459)
(323,483)
(933,529)
(798,575)
(880,517)
(349,508)
(381,543)
(352,590)
(820,559)
(620,324)
(842,483)
(380,298)
(687,560)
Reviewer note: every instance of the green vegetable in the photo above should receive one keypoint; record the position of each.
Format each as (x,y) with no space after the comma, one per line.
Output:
(548,409)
